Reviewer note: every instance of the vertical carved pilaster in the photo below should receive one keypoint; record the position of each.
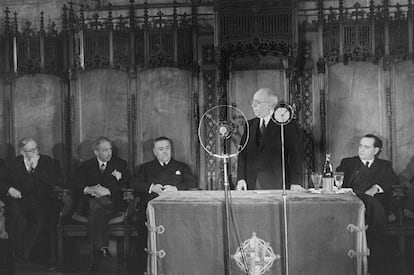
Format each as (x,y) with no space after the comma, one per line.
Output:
(410,28)
(210,100)
(175,31)
(42,42)
(341,30)
(386,13)
(15,50)
(321,67)
(373,30)
(389,111)
(71,33)
(110,27)
(65,35)
(132,117)
(307,112)
(146,35)
(132,34)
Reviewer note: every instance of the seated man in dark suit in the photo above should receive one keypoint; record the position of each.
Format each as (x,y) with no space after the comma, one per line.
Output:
(161,175)
(371,179)
(29,180)
(100,180)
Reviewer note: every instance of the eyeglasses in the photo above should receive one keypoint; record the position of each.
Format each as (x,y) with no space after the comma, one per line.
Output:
(257,102)
(33,150)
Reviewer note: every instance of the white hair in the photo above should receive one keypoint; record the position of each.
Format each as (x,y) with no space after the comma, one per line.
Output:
(270,95)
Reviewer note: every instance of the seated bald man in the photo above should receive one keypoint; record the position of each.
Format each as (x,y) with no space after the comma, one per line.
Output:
(161,175)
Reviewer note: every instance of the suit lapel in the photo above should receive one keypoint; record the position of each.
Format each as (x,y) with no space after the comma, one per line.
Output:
(254,130)
(22,166)
(269,133)
(356,166)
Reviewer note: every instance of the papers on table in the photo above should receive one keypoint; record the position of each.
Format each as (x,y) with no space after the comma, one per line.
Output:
(335,191)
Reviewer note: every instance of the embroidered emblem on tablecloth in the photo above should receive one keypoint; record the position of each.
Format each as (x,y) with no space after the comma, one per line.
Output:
(259,256)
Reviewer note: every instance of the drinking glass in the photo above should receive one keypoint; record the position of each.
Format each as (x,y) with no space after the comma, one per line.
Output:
(339,179)
(316,179)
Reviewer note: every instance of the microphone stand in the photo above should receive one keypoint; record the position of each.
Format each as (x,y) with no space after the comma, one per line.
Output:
(227,214)
(284,200)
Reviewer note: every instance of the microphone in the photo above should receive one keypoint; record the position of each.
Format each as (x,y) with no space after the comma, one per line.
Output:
(226,129)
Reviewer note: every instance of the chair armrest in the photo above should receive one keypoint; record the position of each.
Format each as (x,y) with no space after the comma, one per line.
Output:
(132,203)
(66,197)
(127,194)
(398,191)
(3,233)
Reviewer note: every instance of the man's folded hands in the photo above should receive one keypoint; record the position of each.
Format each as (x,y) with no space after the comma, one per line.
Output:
(97,191)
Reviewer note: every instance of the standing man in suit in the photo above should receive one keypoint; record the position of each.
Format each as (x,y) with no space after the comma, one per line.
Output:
(100,180)
(371,178)
(28,181)
(161,175)
(259,165)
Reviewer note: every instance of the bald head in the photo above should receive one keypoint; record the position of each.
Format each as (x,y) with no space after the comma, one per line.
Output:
(264,102)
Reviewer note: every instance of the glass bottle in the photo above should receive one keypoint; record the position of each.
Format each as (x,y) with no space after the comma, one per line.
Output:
(327,176)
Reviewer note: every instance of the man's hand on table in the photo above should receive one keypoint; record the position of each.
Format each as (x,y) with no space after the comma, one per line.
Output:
(297,187)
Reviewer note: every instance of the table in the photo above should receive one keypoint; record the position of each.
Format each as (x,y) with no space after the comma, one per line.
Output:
(186,233)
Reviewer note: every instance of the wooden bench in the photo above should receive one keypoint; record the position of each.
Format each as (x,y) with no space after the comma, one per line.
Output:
(119,225)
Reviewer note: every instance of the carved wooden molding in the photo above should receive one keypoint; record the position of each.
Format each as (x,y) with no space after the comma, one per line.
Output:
(362,33)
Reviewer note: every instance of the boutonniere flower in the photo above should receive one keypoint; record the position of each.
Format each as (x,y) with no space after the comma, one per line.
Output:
(117,174)
(178,172)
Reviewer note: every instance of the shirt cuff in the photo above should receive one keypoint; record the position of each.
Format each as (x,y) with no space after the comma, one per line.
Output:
(380,190)
(84,190)
(149,190)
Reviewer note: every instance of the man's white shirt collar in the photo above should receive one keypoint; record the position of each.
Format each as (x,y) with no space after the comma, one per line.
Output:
(164,163)
(27,164)
(369,161)
(102,162)
(266,119)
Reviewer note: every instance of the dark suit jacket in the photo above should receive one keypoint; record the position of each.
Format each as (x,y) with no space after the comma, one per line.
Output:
(88,174)
(38,185)
(262,160)
(176,173)
(360,178)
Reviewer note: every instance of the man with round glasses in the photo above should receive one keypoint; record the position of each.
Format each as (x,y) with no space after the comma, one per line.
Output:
(28,181)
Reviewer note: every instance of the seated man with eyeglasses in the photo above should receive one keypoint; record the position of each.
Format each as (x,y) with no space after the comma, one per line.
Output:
(28,182)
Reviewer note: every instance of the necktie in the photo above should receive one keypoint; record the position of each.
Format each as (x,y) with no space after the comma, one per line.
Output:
(262,126)
(102,167)
(367,164)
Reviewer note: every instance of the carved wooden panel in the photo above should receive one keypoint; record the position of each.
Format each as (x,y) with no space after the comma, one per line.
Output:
(96,49)
(28,51)
(121,49)
(102,111)
(209,164)
(4,117)
(3,58)
(404,114)
(243,85)
(37,111)
(164,109)
(356,105)
(241,20)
